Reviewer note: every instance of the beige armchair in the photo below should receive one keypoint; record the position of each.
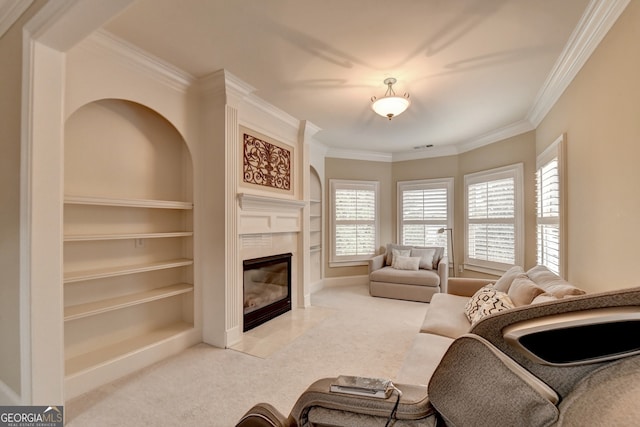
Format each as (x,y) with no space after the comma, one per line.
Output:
(570,362)
(388,280)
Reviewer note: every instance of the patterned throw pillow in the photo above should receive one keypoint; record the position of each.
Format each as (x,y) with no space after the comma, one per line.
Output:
(483,294)
(494,304)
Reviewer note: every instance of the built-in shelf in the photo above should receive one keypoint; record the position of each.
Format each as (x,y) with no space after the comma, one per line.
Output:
(130,294)
(93,237)
(315,227)
(130,203)
(92,308)
(102,355)
(101,273)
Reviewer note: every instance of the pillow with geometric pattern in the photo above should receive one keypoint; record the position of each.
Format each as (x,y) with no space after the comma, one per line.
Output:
(483,294)
(495,304)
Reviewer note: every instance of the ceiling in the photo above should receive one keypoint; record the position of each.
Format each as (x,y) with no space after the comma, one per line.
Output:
(471,67)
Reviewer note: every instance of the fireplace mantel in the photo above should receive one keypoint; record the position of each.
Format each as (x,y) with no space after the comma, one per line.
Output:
(252,202)
(263,214)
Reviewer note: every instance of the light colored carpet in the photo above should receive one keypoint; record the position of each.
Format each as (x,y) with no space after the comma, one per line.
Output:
(207,386)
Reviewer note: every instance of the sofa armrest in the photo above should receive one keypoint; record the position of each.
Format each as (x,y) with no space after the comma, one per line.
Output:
(443,272)
(319,406)
(376,263)
(465,286)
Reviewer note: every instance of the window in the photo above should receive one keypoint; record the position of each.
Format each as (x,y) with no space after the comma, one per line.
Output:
(424,207)
(354,221)
(549,202)
(494,217)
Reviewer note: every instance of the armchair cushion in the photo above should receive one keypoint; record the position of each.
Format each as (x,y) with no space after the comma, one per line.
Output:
(409,277)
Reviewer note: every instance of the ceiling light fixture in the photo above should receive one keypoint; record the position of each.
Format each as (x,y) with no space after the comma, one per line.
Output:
(390,105)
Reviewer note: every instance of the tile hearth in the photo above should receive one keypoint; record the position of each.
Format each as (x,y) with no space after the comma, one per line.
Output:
(268,338)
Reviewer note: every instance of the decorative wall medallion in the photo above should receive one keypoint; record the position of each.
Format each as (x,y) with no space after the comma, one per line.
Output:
(266,164)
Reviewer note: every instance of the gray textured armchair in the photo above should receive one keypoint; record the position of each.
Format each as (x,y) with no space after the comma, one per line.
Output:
(572,362)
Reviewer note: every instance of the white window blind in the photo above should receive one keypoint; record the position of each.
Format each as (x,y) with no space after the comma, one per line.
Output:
(354,220)
(493,217)
(425,206)
(548,208)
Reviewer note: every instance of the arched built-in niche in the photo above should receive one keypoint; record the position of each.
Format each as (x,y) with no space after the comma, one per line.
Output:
(315,222)
(128,242)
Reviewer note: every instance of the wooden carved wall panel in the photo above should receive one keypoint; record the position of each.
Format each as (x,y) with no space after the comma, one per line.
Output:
(266,164)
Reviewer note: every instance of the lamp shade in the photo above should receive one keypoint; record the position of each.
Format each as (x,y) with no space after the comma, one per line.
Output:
(390,106)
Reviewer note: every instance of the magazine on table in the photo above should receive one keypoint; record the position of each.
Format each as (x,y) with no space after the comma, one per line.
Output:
(363,386)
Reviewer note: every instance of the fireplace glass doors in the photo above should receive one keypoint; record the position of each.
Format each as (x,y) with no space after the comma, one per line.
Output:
(267,289)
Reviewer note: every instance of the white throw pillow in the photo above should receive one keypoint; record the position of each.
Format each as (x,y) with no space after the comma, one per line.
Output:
(426,257)
(405,262)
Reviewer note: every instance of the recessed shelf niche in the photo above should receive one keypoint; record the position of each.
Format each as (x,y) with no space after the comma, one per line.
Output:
(128,242)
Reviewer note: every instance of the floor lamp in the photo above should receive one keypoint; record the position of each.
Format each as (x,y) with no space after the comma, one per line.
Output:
(453,258)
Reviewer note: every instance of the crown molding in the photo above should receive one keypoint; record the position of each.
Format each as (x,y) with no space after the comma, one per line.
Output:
(509,131)
(373,156)
(10,12)
(597,20)
(426,153)
(310,130)
(500,134)
(140,60)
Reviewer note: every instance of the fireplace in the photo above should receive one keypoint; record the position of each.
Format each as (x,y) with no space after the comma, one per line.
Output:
(266,288)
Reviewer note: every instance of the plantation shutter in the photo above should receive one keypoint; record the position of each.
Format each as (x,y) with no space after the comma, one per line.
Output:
(494,218)
(492,221)
(549,207)
(424,209)
(354,220)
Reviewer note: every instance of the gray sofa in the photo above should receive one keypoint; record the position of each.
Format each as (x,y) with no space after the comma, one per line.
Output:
(563,359)
(413,282)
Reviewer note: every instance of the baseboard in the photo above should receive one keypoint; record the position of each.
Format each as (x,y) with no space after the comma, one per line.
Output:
(345,281)
(316,286)
(8,397)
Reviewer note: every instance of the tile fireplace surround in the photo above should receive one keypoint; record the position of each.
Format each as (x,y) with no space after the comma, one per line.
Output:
(270,226)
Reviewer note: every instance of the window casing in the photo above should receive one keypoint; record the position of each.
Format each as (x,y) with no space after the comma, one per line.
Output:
(494,218)
(354,221)
(424,207)
(550,207)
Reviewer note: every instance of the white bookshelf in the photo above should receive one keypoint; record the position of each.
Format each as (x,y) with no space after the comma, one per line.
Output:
(102,273)
(129,292)
(97,307)
(315,228)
